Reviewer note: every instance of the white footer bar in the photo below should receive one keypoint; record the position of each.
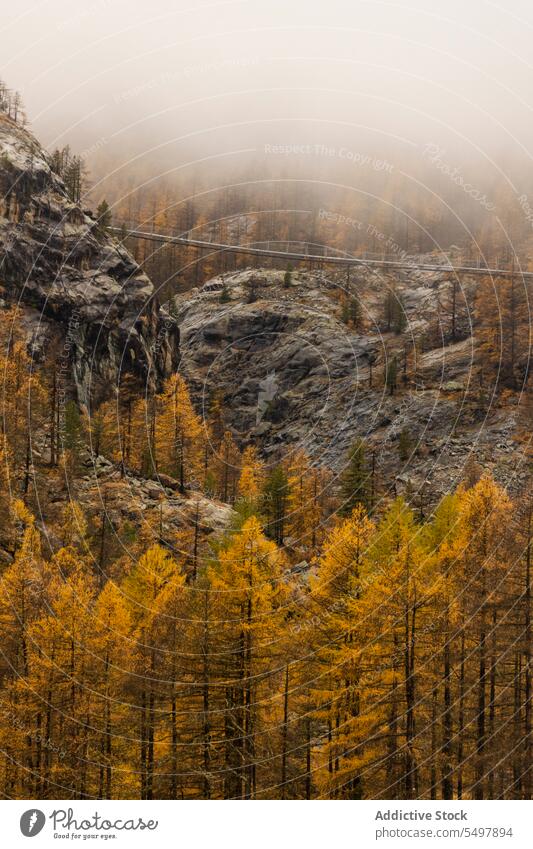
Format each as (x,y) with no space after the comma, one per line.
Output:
(272,825)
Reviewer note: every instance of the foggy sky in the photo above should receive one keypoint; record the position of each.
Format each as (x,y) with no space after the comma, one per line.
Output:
(182,78)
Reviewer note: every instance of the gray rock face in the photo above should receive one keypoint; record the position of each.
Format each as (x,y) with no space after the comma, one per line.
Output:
(136,499)
(85,293)
(294,375)
(276,358)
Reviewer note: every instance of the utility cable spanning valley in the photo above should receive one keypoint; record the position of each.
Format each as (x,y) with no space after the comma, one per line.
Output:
(308,256)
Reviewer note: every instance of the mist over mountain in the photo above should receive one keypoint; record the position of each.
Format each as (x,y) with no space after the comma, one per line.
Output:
(166,88)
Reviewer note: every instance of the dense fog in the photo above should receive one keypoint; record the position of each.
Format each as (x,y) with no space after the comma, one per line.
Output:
(419,107)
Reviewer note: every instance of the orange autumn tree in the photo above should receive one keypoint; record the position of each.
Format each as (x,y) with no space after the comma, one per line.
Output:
(178,432)
(249,594)
(252,475)
(308,500)
(485,520)
(338,640)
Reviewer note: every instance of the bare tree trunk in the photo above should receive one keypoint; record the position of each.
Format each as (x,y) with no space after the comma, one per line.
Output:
(461,719)
(447,730)
(206,729)
(284,735)
(527,670)
(479,771)
(308,786)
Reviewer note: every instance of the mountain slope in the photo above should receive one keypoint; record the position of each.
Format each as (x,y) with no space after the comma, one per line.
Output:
(295,373)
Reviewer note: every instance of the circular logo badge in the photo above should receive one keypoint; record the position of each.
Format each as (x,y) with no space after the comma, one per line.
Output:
(32,822)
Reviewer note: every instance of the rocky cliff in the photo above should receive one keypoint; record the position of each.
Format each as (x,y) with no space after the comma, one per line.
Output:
(296,372)
(84,298)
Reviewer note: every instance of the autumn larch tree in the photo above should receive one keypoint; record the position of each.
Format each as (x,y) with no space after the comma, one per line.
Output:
(178,432)
(356,480)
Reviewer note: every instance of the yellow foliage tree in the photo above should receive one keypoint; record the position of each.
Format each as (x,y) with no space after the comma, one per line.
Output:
(178,433)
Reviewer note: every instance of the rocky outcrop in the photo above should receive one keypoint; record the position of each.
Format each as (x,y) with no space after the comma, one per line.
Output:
(152,502)
(133,506)
(85,299)
(294,374)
